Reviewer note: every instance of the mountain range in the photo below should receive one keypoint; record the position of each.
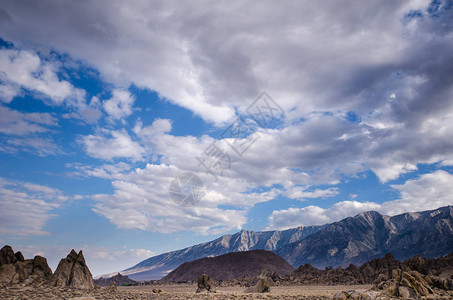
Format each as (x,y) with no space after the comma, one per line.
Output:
(353,240)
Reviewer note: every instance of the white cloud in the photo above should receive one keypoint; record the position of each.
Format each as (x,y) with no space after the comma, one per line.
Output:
(447,162)
(114,144)
(200,59)
(8,92)
(37,145)
(25,131)
(15,123)
(427,192)
(24,69)
(108,171)
(208,64)
(159,127)
(141,200)
(90,113)
(25,207)
(317,147)
(120,105)
(297,192)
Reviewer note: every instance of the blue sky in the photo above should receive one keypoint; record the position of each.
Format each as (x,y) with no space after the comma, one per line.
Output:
(101,106)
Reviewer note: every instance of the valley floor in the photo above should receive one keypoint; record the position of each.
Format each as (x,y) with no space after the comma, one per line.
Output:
(179,291)
(185,291)
(174,291)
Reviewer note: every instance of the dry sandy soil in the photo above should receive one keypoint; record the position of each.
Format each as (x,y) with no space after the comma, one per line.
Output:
(180,291)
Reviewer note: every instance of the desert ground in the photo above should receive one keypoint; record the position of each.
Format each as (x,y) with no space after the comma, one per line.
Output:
(176,291)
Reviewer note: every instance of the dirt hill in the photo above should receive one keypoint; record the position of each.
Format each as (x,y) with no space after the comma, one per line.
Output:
(231,265)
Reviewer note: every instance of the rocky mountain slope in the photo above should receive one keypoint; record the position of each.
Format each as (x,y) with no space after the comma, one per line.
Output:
(353,240)
(369,235)
(230,265)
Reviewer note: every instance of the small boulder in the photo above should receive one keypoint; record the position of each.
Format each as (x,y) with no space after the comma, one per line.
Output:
(205,283)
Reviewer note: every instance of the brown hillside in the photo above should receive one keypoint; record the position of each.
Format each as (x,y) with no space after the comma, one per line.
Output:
(230,265)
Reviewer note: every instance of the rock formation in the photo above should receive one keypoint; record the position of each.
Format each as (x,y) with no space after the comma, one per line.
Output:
(412,284)
(15,269)
(7,256)
(373,271)
(405,284)
(118,279)
(262,286)
(72,271)
(205,283)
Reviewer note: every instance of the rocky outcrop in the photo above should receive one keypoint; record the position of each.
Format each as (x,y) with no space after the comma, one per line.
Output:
(7,256)
(369,272)
(205,283)
(405,284)
(271,277)
(373,271)
(15,269)
(72,271)
(118,279)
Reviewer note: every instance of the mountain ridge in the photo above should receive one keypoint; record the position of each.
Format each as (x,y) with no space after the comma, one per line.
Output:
(356,239)
(159,266)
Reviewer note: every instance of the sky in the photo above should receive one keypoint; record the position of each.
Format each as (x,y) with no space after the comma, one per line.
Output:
(301,113)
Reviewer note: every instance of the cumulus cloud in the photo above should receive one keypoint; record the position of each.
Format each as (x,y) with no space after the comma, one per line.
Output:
(108,145)
(120,105)
(26,207)
(429,191)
